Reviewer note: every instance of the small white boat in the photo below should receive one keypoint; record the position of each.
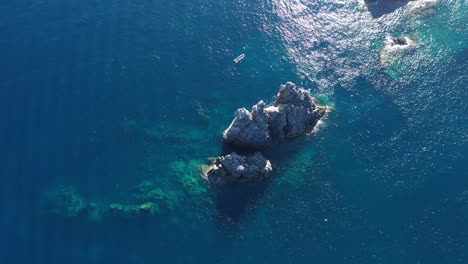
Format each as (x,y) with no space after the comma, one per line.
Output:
(239,58)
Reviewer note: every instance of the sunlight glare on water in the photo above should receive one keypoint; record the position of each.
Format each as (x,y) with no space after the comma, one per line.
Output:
(333,43)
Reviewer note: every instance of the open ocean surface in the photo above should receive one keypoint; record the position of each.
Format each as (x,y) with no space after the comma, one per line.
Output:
(103,95)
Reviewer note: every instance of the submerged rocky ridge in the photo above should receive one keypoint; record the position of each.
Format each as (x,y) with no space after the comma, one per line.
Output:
(294,113)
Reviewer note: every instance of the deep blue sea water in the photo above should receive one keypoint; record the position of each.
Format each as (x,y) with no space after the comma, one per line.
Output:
(103,95)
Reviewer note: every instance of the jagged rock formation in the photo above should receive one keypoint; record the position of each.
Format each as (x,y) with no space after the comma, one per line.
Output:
(236,168)
(295,112)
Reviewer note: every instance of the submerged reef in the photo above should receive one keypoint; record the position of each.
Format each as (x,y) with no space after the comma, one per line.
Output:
(66,201)
(236,168)
(294,113)
(148,199)
(151,197)
(149,191)
(188,174)
(131,210)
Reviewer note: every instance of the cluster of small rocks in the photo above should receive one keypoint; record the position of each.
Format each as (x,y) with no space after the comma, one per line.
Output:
(294,113)
(236,168)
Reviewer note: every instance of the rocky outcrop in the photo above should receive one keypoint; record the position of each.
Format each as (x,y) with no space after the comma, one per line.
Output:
(295,112)
(400,41)
(395,47)
(398,44)
(236,168)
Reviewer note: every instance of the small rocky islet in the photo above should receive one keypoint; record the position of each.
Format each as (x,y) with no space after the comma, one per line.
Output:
(293,113)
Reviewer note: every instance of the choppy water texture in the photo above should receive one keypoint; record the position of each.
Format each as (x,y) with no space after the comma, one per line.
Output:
(123,100)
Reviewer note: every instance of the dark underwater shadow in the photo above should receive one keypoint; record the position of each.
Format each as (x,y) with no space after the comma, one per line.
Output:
(378,8)
(234,200)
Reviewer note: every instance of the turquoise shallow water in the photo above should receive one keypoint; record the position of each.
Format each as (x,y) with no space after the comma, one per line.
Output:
(105,95)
